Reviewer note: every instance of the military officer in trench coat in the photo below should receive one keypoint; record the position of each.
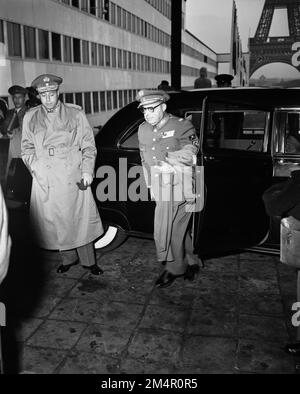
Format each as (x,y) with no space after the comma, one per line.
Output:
(58,147)
(168,145)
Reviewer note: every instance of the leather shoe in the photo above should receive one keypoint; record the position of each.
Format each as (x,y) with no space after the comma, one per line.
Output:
(94,269)
(191,272)
(293,348)
(166,279)
(65,268)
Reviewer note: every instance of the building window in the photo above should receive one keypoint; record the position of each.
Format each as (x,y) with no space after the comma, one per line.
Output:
(119,16)
(125,98)
(112,13)
(56,46)
(124,18)
(69,98)
(78,99)
(106,10)
(107,56)
(124,59)
(129,61)
(114,57)
(119,58)
(43,44)
(120,98)
(94,54)
(115,99)
(67,49)
(14,39)
(129,21)
(108,100)
(30,42)
(96,102)
(102,101)
(93,7)
(1,31)
(101,55)
(75,3)
(76,50)
(85,5)
(85,52)
(87,103)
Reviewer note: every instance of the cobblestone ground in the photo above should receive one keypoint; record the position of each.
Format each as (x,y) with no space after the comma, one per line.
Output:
(235,318)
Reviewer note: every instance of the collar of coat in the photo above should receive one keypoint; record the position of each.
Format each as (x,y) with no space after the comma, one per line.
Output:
(163,122)
(65,118)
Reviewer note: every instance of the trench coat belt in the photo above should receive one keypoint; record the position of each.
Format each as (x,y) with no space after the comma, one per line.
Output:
(51,151)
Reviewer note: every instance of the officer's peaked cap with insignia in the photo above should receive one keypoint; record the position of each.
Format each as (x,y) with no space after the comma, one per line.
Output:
(223,78)
(46,82)
(146,97)
(16,89)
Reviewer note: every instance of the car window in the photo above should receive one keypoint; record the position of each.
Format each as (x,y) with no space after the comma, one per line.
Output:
(240,130)
(129,139)
(291,133)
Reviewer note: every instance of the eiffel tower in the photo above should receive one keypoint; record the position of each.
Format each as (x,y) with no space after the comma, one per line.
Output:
(264,49)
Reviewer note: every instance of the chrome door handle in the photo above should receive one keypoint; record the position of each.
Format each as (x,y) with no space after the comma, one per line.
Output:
(209,158)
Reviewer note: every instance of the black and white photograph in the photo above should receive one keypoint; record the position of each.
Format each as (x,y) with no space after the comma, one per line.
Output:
(149,190)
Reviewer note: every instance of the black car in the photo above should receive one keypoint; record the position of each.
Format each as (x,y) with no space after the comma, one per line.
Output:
(250,139)
(244,134)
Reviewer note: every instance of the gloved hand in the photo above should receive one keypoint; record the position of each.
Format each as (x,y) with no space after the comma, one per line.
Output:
(180,157)
(87,179)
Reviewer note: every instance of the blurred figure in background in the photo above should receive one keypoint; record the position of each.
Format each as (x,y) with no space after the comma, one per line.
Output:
(164,85)
(33,100)
(202,81)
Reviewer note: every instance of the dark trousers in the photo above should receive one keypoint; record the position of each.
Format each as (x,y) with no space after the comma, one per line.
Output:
(85,254)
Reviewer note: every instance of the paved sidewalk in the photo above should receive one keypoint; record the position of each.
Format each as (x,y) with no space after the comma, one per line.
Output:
(235,318)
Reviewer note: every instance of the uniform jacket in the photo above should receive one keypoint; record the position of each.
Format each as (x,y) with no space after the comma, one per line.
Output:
(157,144)
(58,148)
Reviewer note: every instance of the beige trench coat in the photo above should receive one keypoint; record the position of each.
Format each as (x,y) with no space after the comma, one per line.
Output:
(57,148)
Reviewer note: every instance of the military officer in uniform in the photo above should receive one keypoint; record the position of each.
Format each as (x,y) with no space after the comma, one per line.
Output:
(168,143)
(58,147)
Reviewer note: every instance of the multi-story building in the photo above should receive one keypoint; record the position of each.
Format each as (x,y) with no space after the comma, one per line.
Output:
(104,50)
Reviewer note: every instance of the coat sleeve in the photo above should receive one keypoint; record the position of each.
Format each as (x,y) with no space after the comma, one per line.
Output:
(282,197)
(27,145)
(87,145)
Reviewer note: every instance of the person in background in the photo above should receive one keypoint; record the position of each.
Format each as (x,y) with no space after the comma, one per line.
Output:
(12,125)
(167,142)
(5,241)
(3,112)
(164,85)
(202,81)
(58,147)
(224,80)
(33,100)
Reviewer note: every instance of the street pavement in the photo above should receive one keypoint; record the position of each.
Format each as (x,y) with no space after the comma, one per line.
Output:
(234,318)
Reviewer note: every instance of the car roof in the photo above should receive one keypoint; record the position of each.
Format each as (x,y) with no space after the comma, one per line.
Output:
(260,98)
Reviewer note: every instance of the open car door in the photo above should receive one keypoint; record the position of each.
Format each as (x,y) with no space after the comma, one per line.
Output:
(237,170)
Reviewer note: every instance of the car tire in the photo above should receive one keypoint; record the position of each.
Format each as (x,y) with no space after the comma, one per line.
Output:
(111,239)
